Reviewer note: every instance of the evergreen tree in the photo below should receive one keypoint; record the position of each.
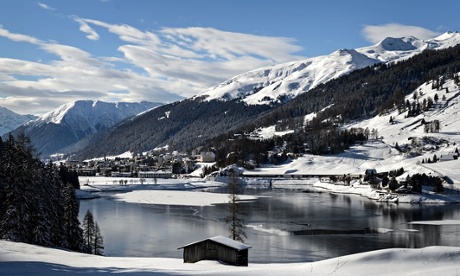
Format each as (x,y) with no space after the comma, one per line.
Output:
(35,207)
(15,220)
(393,184)
(92,235)
(88,231)
(56,205)
(73,232)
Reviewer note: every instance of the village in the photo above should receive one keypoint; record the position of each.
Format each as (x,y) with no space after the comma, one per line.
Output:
(152,164)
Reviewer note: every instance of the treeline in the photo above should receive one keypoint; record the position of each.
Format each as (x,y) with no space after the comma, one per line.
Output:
(36,205)
(414,183)
(249,153)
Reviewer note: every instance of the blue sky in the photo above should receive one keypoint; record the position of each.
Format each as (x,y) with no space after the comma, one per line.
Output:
(55,51)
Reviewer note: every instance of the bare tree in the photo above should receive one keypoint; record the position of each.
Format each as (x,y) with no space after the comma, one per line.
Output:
(234,220)
(92,235)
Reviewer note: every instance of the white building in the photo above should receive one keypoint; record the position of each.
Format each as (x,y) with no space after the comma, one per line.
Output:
(207,156)
(155,174)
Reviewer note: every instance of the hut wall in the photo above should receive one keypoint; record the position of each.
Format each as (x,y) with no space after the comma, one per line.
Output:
(210,250)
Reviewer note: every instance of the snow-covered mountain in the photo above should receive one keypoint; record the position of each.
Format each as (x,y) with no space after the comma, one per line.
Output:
(74,121)
(10,120)
(285,81)
(92,116)
(403,141)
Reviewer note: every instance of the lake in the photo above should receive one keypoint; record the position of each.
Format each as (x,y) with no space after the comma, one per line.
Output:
(282,226)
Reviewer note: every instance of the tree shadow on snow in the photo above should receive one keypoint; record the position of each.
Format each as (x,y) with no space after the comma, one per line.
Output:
(42,268)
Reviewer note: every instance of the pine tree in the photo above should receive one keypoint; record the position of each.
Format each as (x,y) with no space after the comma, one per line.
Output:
(88,231)
(56,205)
(15,220)
(43,201)
(35,207)
(393,184)
(73,232)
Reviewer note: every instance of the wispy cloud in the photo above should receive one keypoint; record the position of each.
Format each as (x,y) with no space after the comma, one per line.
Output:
(84,27)
(165,65)
(45,7)
(375,34)
(18,37)
(217,44)
(128,33)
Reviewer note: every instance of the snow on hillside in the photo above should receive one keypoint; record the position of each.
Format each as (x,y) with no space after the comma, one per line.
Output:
(285,81)
(25,259)
(383,154)
(410,131)
(87,114)
(10,120)
(270,84)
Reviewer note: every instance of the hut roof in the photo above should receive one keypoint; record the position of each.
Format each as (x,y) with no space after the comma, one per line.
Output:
(224,241)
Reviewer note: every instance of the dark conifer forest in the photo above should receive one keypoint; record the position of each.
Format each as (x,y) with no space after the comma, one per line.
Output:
(37,200)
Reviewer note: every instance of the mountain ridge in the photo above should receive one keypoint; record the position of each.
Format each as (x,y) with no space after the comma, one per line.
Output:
(281,82)
(75,120)
(10,120)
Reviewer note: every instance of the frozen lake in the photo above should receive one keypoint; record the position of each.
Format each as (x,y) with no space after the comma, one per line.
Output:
(282,226)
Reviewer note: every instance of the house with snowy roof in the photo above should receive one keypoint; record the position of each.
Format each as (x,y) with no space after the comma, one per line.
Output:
(218,248)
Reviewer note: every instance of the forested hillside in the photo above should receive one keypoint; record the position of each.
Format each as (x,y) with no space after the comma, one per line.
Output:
(181,125)
(361,94)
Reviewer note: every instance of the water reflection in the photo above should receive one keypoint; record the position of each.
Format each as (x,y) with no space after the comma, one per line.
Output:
(283,226)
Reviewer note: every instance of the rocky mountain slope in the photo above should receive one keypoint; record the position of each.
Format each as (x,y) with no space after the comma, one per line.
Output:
(74,121)
(10,120)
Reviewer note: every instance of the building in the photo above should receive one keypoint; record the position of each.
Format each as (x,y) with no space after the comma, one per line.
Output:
(370,172)
(207,156)
(155,174)
(218,248)
(448,157)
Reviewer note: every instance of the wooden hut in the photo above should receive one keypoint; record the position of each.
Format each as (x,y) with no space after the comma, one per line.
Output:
(217,248)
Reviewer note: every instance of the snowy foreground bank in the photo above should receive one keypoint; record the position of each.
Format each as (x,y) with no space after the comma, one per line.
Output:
(24,259)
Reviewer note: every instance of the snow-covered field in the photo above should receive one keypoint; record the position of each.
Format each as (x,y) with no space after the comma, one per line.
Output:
(24,259)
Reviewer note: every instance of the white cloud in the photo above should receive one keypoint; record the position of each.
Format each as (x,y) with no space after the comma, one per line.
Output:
(128,33)
(163,66)
(375,34)
(228,45)
(45,7)
(18,37)
(84,27)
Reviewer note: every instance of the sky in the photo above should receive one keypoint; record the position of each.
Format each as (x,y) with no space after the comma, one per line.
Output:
(53,52)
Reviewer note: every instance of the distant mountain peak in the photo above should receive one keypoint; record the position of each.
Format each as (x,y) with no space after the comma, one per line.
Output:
(75,120)
(10,120)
